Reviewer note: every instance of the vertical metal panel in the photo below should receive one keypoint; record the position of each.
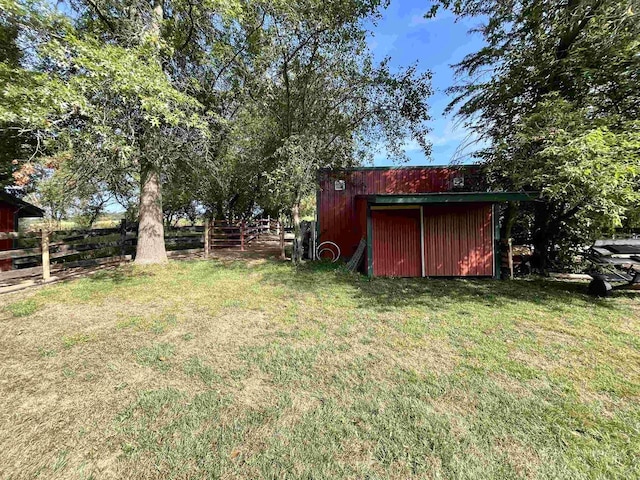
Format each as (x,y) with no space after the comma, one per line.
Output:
(422,266)
(337,215)
(6,225)
(458,240)
(396,243)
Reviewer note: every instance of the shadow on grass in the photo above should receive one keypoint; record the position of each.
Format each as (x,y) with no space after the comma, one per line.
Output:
(327,279)
(120,275)
(393,293)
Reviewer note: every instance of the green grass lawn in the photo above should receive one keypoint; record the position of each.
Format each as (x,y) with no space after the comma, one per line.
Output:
(250,369)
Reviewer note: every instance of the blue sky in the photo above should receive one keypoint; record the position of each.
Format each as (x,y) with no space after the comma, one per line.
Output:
(407,37)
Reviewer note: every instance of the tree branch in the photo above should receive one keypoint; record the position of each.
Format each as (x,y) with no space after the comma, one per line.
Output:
(102,16)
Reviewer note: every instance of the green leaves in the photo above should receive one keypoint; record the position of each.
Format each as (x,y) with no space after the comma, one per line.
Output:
(556,91)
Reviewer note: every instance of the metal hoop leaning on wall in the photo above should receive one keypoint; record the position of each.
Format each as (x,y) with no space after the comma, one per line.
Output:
(328,247)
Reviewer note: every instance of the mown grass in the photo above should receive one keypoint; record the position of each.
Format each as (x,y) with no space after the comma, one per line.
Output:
(22,308)
(252,369)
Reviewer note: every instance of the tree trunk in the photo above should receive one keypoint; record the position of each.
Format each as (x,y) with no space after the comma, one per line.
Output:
(509,220)
(541,237)
(296,256)
(151,248)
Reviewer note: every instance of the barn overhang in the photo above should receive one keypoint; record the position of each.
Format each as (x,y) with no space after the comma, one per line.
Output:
(450,197)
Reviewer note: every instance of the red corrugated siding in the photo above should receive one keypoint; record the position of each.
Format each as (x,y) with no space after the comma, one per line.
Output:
(6,225)
(396,243)
(458,240)
(337,213)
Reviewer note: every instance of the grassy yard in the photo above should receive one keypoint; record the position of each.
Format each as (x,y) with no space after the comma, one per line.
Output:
(249,369)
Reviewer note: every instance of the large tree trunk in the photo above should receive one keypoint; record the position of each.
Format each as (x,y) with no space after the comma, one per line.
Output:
(508,220)
(542,238)
(296,256)
(151,248)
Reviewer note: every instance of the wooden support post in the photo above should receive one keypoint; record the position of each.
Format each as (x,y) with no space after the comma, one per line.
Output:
(510,257)
(206,238)
(123,236)
(281,234)
(242,235)
(46,270)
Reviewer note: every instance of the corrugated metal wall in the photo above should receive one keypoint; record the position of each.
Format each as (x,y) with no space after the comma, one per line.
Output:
(458,240)
(337,213)
(6,225)
(396,243)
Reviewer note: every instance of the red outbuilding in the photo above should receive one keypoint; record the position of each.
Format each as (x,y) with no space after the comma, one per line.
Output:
(435,221)
(12,209)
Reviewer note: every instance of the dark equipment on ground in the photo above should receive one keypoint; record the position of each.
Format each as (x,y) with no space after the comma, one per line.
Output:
(615,265)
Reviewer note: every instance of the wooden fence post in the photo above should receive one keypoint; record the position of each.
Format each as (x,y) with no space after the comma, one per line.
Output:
(123,236)
(46,270)
(281,234)
(510,258)
(242,235)
(206,238)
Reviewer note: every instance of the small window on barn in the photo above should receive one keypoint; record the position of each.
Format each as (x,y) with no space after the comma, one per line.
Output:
(458,182)
(339,185)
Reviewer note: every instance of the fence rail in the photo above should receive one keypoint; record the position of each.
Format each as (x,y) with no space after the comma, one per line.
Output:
(38,253)
(223,234)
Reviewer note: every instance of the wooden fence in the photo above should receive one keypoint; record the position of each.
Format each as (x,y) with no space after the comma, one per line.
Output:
(223,234)
(38,254)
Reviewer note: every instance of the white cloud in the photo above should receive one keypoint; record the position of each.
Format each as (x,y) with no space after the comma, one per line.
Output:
(452,132)
(417,20)
(411,145)
(382,44)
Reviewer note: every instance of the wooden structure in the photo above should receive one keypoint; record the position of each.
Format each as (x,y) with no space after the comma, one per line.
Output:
(223,234)
(39,254)
(417,221)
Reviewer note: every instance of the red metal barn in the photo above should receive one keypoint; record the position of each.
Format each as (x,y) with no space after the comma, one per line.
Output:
(12,209)
(417,221)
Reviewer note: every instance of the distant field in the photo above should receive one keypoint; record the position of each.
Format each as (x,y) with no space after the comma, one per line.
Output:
(35,224)
(252,369)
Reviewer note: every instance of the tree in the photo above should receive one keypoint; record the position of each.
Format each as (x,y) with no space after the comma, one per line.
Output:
(555,92)
(327,104)
(107,88)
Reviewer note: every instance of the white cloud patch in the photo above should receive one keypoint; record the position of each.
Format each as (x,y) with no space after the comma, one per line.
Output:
(452,132)
(417,20)
(382,44)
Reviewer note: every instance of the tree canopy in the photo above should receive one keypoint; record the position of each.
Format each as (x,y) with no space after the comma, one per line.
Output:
(224,105)
(229,105)
(555,93)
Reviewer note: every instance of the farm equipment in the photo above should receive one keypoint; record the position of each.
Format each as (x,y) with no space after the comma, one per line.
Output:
(615,265)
